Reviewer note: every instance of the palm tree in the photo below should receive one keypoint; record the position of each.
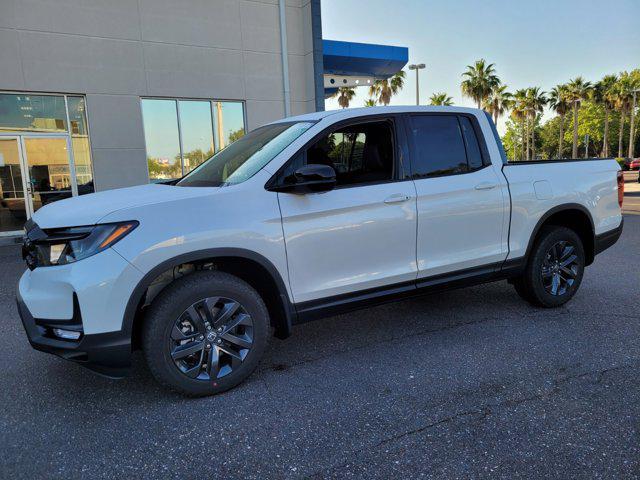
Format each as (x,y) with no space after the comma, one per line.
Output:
(383,90)
(498,102)
(604,94)
(634,84)
(518,113)
(345,95)
(559,104)
(578,90)
(370,102)
(479,80)
(622,96)
(441,98)
(535,100)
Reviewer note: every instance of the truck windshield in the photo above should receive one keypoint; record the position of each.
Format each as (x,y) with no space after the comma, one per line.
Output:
(246,156)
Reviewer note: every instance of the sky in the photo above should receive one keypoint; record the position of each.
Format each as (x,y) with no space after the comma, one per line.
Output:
(535,43)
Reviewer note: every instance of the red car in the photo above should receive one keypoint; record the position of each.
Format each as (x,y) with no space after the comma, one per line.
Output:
(635,164)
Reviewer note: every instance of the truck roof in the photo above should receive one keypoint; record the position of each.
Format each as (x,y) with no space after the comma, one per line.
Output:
(346,113)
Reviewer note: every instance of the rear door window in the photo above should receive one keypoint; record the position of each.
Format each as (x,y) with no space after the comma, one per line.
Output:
(474,156)
(439,148)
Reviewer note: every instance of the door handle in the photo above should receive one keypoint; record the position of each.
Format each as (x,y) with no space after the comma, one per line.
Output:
(396,198)
(485,186)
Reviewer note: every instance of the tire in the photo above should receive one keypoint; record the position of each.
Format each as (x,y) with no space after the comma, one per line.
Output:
(547,281)
(227,343)
(521,289)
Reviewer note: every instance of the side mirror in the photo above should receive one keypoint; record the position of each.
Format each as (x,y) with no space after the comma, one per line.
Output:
(311,178)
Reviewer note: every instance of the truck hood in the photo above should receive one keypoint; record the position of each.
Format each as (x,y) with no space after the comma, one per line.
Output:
(90,209)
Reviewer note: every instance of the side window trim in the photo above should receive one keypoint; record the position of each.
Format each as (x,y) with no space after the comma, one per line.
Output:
(403,132)
(393,121)
(413,150)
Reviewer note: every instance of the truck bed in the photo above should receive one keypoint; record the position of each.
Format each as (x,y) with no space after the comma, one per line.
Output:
(537,187)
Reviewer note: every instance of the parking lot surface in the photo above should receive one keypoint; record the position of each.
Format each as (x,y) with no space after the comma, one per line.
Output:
(466,384)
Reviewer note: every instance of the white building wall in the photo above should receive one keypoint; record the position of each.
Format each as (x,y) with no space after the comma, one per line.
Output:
(117,51)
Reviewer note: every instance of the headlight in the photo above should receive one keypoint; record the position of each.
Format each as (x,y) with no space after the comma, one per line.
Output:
(67,245)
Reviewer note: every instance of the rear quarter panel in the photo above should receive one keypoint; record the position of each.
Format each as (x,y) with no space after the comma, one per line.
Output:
(536,188)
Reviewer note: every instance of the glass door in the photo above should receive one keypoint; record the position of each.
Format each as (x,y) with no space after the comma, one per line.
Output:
(47,169)
(35,170)
(13,210)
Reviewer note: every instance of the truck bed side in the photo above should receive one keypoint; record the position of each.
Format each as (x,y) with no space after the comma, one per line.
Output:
(537,188)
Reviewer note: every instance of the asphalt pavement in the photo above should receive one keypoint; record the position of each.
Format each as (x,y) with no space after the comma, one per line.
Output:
(473,383)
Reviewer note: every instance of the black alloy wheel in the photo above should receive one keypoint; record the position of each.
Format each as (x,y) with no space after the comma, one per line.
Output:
(211,338)
(205,333)
(559,268)
(554,269)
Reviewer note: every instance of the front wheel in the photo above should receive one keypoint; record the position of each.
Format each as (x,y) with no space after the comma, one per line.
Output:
(555,268)
(205,333)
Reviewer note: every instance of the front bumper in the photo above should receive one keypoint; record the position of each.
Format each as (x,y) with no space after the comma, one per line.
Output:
(106,353)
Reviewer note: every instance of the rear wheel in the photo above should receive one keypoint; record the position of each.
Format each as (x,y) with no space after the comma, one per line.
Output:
(205,333)
(555,268)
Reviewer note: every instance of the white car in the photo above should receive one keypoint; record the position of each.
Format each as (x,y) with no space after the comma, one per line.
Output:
(303,218)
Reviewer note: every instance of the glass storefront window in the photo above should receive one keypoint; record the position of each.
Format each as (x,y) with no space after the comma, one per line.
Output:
(49,174)
(229,122)
(161,135)
(12,211)
(182,134)
(80,144)
(197,132)
(33,113)
(41,137)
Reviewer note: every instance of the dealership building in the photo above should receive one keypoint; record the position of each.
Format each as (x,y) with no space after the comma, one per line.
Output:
(101,94)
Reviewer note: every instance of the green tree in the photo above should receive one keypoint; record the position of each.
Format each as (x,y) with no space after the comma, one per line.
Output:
(383,90)
(236,135)
(370,103)
(622,98)
(441,98)
(479,80)
(591,123)
(535,100)
(549,135)
(498,102)
(559,104)
(195,157)
(634,83)
(158,169)
(578,90)
(518,114)
(512,139)
(603,94)
(345,95)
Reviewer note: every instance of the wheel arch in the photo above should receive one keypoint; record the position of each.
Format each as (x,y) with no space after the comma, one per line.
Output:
(248,265)
(571,215)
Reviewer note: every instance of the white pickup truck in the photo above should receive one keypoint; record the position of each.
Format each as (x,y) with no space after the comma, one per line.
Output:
(302,218)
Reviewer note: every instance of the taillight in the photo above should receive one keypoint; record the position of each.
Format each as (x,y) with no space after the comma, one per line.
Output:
(620,188)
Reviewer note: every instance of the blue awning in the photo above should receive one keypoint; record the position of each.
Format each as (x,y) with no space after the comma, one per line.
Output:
(363,59)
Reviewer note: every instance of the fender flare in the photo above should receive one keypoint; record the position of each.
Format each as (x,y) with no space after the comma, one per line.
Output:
(557,209)
(206,254)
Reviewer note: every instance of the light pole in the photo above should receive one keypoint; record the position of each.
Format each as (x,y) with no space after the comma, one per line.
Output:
(633,121)
(417,67)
